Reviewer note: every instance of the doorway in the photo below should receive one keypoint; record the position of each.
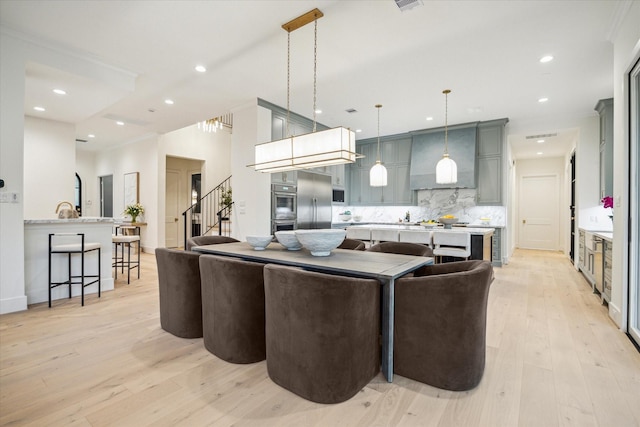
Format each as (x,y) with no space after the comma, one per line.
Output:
(539,213)
(171,221)
(106,196)
(633,226)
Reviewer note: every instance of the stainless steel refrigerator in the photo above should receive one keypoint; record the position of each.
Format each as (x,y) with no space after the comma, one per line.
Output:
(314,200)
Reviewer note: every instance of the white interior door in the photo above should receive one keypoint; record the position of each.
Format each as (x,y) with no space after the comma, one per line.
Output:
(172,197)
(634,207)
(539,212)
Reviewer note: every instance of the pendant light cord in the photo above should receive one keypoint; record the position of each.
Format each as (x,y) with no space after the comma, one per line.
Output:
(446,114)
(315,69)
(288,81)
(378,106)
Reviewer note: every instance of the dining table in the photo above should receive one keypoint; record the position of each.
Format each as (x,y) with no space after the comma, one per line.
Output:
(384,267)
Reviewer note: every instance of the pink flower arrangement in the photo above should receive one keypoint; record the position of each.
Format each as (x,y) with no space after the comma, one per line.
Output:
(607,202)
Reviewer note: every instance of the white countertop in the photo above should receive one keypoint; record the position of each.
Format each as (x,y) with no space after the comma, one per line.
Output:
(398,226)
(605,235)
(69,220)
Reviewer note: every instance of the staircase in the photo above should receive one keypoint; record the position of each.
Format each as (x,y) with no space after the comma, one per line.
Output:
(210,214)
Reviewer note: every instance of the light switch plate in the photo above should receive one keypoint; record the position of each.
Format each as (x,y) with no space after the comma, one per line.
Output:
(8,197)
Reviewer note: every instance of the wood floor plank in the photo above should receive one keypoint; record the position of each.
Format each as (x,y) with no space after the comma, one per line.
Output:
(554,357)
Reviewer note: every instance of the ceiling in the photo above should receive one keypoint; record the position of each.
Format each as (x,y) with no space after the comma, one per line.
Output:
(369,52)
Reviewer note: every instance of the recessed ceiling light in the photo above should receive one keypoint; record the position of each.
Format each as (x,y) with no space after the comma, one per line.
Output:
(546,58)
(59,92)
(91,135)
(201,68)
(540,141)
(539,153)
(318,111)
(119,123)
(168,101)
(541,100)
(39,108)
(358,130)
(429,118)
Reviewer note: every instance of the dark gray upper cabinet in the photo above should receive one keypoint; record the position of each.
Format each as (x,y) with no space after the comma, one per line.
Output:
(604,107)
(428,147)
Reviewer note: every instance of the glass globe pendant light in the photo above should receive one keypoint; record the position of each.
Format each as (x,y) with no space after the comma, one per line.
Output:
(446,169)
(378,173)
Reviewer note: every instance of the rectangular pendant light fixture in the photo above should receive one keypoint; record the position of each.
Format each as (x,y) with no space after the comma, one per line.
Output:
(315,149)
(322,148)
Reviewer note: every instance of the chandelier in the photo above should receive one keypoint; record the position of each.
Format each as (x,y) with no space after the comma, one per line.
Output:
(318,148)
(446,169)
(216,123)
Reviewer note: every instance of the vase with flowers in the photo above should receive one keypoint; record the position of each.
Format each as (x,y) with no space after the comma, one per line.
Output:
(607,202)
(134,211)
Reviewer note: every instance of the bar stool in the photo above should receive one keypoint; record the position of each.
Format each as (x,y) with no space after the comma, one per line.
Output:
(451,244)
(70,249)
(123,242)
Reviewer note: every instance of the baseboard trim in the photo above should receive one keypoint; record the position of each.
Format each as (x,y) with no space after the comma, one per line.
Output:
(11,305)
(616,314)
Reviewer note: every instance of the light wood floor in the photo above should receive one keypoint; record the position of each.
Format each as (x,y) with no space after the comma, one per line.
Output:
(553,358)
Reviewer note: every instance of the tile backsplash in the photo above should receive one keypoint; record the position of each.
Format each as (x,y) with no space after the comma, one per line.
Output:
(432,204)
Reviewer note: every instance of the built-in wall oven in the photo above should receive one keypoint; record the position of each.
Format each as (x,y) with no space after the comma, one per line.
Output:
(284,207)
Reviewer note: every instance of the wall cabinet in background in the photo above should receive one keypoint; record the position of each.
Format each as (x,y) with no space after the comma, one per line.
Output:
(395,154)
(490,165)
(604,107)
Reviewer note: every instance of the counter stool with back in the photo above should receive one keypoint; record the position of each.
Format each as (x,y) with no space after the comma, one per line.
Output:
(67,243)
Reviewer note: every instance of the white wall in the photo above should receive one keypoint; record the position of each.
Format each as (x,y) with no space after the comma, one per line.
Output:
(138,157)
(626,52)
(49,166)
(251,189)
(547,166)
(12,85)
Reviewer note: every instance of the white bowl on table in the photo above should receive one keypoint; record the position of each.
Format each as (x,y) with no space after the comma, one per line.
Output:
(259,243)
(321,242)
(288,239)
(357,218)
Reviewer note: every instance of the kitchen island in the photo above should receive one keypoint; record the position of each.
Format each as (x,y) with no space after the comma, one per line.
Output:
(481,237)
(36,256)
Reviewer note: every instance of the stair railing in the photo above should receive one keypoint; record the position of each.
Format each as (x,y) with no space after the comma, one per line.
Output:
(210,211)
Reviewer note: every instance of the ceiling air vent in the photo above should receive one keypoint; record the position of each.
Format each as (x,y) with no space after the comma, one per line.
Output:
(407,4)
(544,135)
(81,140)
(351,110)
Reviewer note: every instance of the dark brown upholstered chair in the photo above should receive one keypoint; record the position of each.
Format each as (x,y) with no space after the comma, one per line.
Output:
(440,324)
(180,296)
(233,308)
(322,332)
(208,240)
(403,248)
(353,244)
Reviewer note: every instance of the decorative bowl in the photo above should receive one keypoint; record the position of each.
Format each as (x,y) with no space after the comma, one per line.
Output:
(357,218)
(344,217)
(448,221)
(321,242)
(288,239)
(259,242)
